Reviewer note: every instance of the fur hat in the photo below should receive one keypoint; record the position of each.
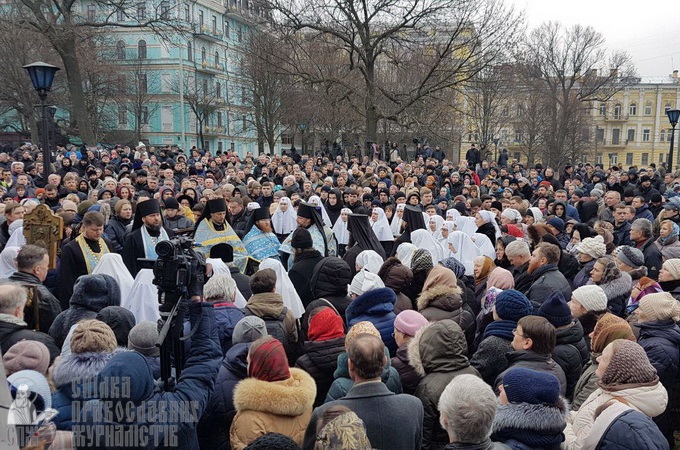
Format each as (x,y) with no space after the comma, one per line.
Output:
(672,266)
(591,297)
(93,336)
(660,307)
(27,355)
(143,337)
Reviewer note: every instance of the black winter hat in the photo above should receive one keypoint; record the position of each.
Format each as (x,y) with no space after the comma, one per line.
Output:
(301,239)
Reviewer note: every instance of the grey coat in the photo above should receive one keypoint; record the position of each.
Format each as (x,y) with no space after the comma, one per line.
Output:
(393,421)
(586,384)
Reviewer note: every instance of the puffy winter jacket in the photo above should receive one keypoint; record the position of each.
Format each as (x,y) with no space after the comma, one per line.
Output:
(397,277)
(407,373)
(534,361)
(320,360)
(661,341)
(571,353)
(583,275)
(441,302)
(377,307)
(547,279)
(329,280)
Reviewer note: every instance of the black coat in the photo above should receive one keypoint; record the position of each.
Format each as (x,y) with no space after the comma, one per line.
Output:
(72,266)
(320,359)
(242,282)
(14,331)
(534,361)
(547,279)
(407,373)
(661,341)
(329,280)
(489,231)
(300,273)
(653,259)
(115,231)
(48,305)
(571,353)
(133,248)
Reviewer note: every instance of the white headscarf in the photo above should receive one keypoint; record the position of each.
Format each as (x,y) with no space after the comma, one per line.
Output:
(425,240)
(363,282)
(484,244)
(284,222)
(284,287)
(252,206)
(220,268)
(142,301)
(536,212)
(438,222)
(369,260)
(112,264)
(405,253)
(466,250)
(466,225)
(16,234)
(395,226)
(340,228)
(316,201)
(452,214)
(381,228)
(490,217)
(512,214)
(8,264)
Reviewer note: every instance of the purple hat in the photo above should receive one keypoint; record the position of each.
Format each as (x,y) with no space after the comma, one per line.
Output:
(409,322)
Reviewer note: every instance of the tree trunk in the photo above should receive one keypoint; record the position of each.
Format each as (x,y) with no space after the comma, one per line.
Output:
(66,47)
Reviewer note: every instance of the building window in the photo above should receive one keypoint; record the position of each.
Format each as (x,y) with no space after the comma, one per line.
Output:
(645,159)
(143,89)
(120,50)
(141,12)
(617,111)
(91,13)
(120,15)
(202,54)
(239,34)
(122,115)
(629,159)
(141,49)
(190,52)
(165,10)
(217,58)
(632,109)
(603,109)
(187,13)
(214,24)
(645,136)
(144,119)
(286,139)
(220,146)
(615,136)
(648,109)
(200,19)
(613,158)
(218,90)
(244,122)
(631,135)
(599,134)
(662,136)
(506,111)
(520,110)
(243,95)
(661,157)
(206,146)
(226,30)
(518,137)
(205,88)
(219,119)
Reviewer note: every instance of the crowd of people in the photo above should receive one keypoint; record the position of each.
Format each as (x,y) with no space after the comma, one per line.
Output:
(349,302)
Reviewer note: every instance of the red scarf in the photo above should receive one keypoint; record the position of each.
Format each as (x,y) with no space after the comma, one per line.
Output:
(325,325)
(269,362)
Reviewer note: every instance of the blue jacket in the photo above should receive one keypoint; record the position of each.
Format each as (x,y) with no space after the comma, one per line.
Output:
(375,306)
(213,429)
(661,341)
(154,419)
(644,212)
(572,212)
(632,430)
(226,318)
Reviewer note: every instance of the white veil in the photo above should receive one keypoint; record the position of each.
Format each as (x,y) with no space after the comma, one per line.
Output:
(284,287)
(466,250)
(340,228)
(316,201)
(284,222)
(7,261)
(484,244)
(381,228)
(395,226)
(466,225)
(425,240)
(142,301)
(369,260)
(16,234)
(438,223)
(112,264)
(405,253)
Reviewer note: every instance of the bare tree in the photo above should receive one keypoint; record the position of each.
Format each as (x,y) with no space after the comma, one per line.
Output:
(389,55)
(136,94)
(529,122)
(202,98)
(571,68)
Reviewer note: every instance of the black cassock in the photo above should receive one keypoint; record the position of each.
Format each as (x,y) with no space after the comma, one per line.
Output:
(72,266)
(133,248)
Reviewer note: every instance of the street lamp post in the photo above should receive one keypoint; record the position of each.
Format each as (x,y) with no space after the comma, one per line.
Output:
(673,115)
(42,76)
(302,127)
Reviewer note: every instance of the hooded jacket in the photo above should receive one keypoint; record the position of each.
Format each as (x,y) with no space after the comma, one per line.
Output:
(270,305)
(620,426)
(377,307)
(329,280)
(438,354)
(441,302)
(583,275)
(571,353)
(263,407)
(213,428)
(91,294)
(320,360)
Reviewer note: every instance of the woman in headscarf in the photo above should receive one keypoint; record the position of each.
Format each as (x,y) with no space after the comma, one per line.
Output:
(533,216)
(452,214)
(341,231)
(615,283)
(668,243)
(413,220)
(334,205)
(466,224)
(274,398)
(461,247)
(434,226)
(425,240)
(484,244)
(501,258)
(316,201)
(382,230)
(369,260)
(483,267)
(405,253)
(361,238)
(284,219)
(421,264)
(395,225)
(578,234)
(7,261)
(486,225)
(285,287)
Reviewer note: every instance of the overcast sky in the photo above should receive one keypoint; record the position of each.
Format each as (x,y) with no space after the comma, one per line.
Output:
(649,31)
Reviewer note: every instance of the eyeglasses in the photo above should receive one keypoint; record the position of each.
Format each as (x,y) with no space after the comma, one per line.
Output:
(520,335)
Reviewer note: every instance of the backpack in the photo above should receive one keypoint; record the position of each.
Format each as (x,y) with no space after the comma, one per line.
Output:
(275,327)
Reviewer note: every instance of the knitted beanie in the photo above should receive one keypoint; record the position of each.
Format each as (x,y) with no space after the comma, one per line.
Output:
(143,337)
(272,441)
(249,329)
(629,365)
(660,307)
(93,336)
(591,297)
(500,278)
(608,329)
(512,305)
(557,223)
(594,247)
(27,355)
(672,266)
(631,256)
(325,325)
(409,322)
(531,386)
(556,310)
(421,261)
(358,328)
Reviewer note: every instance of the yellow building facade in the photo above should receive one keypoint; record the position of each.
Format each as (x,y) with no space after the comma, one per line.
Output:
(632,128)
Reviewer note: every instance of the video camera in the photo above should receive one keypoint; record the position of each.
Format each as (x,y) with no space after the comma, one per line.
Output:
(179,269)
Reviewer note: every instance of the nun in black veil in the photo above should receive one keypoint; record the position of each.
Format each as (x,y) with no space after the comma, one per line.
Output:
(413,220)
(361,237)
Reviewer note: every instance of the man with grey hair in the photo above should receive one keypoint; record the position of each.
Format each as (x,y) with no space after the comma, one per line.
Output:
(518,254)
(467,409)
(33,262)
(13,329)
(643,238)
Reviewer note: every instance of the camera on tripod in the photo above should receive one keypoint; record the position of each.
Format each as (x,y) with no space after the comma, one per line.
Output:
(179,270)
